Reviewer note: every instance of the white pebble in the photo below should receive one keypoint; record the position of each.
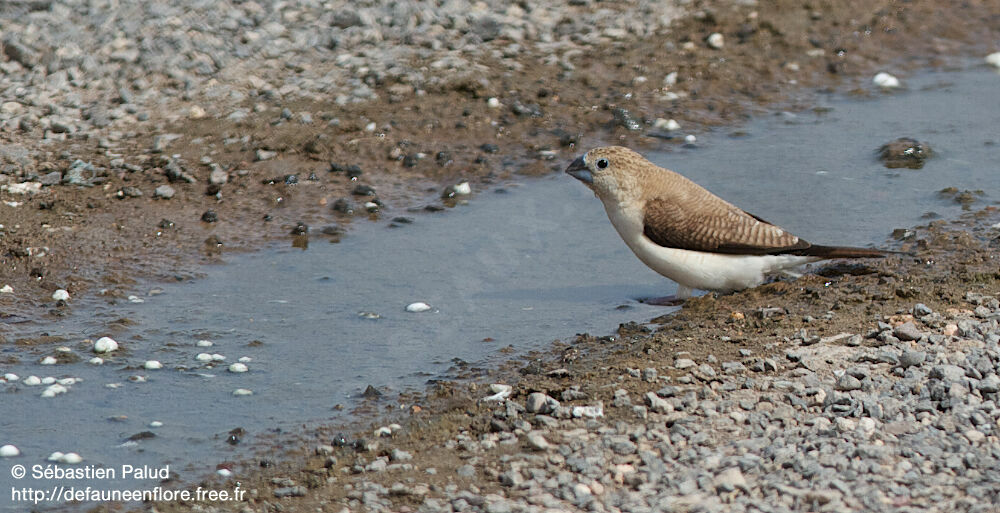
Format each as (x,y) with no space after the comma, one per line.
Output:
(493,103)
(32,381)
(205,343)
(60,295)
(72,458)
(54,390)
(382,431)
(992,59)
(9,451)
(716,40)
(463,189)
(6,289)
(371,206)
(224,472)
(137,379)
(67,381)
(370,127)
(418,307)
(246,359)
(218,357)
(64,349)
(56,456)
(203,357)
(885,80)
(105,345)
(136,299)
(670,125)
(48,360)
(242,391)
(238,367)
(690,139)
(48,380)
(97,360)
(590,412)
(10,376)
(670,79)
(500,392)
(155,424)
(153,365)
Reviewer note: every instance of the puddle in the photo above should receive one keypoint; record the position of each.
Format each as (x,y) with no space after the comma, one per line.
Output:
(537,263)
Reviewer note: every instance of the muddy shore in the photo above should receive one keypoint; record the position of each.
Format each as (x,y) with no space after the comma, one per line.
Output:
(282,169)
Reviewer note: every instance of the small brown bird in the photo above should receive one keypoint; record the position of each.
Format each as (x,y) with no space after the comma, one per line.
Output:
(688,234)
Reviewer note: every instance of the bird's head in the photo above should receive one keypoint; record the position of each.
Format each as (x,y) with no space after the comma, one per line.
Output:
(609,171)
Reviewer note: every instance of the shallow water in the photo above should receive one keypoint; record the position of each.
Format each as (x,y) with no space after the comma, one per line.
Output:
(537,263)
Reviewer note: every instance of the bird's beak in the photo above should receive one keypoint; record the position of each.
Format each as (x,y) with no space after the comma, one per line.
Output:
(578,169)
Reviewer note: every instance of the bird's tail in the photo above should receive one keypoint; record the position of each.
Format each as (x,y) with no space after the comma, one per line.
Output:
(843,252)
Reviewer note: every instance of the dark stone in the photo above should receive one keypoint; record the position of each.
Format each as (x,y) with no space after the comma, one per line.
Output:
(210,216)
(343,206)
(490,148)
(363,190)
(904,152)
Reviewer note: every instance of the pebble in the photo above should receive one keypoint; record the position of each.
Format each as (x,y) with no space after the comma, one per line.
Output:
(48,360)
(847,383)
(6,289)
(54,390)
(60,295)
(71,458)
(10,376)
(684,363)
(418,307)
(730,480)
(32,381)
(670,125)
(716,40)
(493,103)
(155,424)
(538,402)
(97,360)
(105,345)
(911,358)
(164,191)
(242,391)
(907,332)
(993,59)
(204,343)
(153,365)
(238,367)
(9,451)
(885,80)
(500,392)
(537,441)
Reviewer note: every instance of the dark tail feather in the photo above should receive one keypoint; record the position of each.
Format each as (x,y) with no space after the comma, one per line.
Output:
(842,252)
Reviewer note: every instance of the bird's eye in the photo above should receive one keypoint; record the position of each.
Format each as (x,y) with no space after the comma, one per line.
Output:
(602,163)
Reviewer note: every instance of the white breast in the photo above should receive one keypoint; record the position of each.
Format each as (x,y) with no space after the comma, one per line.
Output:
(697,269)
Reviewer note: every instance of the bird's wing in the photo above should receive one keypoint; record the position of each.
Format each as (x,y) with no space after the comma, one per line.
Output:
(715,226)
